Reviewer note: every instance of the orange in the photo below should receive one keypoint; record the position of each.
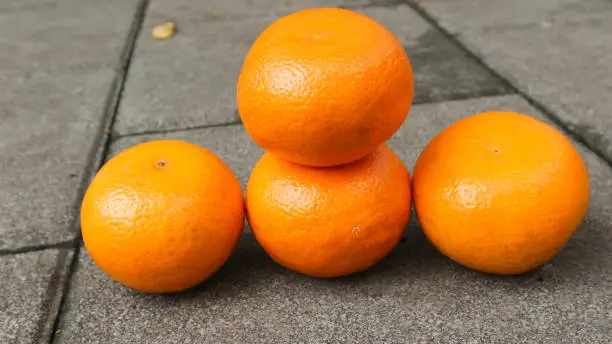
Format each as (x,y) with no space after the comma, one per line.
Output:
(500,192)
(162,216)
(329,222)
(324,87)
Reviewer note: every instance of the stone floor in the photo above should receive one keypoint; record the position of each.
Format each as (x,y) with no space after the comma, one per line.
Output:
(82,80)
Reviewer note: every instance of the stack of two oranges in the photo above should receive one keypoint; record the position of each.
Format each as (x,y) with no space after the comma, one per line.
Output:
(321,90)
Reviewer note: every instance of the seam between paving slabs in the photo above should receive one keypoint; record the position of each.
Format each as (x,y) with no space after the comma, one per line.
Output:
(472,95)
(56,292)
(414,4)
(382,4)
(476,94)
(35,248)
(174,130)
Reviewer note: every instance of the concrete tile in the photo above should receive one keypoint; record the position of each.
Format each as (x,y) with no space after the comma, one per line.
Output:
(26,5)
(511,13)
(220,10)
(62,36)
(442,71)
(187,80)
(28,287)
(56,69)
(414,295)
(564,65)
(190,80)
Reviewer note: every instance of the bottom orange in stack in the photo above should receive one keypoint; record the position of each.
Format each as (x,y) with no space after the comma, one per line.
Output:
(332,221)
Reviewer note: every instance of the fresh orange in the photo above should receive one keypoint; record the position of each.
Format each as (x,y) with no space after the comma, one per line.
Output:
(500,192)
(162,216)
(324,86)
(329,222)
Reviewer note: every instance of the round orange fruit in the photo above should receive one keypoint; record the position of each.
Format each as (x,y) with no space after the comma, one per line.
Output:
(500,192)
(329,222)
(324,87)
(162,216)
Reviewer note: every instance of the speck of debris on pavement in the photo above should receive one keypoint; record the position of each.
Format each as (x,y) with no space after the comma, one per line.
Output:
(164,31)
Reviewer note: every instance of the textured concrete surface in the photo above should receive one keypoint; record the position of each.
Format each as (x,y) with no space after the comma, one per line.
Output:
(57,62)
(221,10)
(558,53)
(189,80)
(442,71)
(27,288)
(508,14)
(62,36)
(415,295)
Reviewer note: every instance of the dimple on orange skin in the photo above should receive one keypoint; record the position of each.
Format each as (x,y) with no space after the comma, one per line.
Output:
(162,216)
(329,222)
(324,87)
(500,192)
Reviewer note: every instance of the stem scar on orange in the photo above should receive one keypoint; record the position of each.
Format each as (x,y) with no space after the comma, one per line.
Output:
(329,222)
(162,216)
(500,192)
(324,87)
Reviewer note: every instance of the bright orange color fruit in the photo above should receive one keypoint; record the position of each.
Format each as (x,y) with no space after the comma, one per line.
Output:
(329,222)
(162,216)
(324,87)
(500,192)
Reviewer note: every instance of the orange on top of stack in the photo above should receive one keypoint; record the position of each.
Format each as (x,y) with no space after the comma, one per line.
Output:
(324,87)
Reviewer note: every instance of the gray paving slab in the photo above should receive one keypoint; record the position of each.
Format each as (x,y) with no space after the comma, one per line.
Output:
(415,295)
(189,80)
(28,289)
(467,14)
(221,10)
(61,36)
(442,71)
(563,61)
(57,62)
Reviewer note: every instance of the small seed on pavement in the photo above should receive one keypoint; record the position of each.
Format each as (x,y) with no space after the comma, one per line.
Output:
(164,31)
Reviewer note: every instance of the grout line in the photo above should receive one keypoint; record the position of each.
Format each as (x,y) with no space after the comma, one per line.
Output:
(414,4)
(96,158)
(488,93)
(35,248)
(385,4)
(176,130)
(452,97)
(54,293)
